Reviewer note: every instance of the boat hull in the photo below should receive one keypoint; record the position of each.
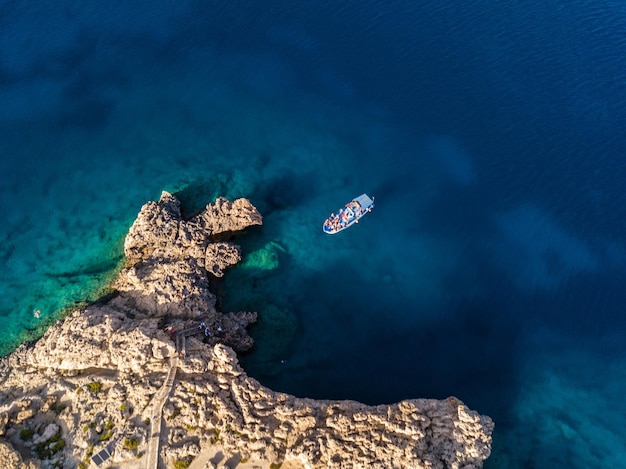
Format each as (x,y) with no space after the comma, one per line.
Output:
(348,215)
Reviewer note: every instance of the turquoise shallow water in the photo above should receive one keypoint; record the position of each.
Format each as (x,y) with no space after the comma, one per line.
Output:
(493,265)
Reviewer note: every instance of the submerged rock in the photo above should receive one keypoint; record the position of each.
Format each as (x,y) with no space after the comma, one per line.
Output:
(152,370)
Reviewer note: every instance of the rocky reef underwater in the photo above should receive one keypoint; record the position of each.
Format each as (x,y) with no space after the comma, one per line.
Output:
(148,376)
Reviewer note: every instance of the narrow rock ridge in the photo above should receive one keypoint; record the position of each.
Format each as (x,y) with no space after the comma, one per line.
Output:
(96,379)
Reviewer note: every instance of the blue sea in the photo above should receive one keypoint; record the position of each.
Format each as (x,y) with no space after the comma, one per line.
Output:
(490,133)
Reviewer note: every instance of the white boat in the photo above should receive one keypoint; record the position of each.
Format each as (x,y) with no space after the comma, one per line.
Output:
(348,215)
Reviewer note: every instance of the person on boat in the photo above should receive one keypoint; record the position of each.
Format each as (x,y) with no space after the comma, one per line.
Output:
(359,208)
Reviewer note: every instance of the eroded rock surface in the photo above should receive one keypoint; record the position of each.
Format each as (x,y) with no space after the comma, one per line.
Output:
(170,256)
(94,379)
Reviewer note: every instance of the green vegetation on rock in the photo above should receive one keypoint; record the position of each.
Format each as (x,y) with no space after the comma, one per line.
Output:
(26,433)
(58,408)
(89,452)
(131,443)
(49,448)
(181,464)
(95,387)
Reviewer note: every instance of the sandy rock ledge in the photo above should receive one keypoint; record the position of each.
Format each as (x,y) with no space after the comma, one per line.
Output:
(139,375)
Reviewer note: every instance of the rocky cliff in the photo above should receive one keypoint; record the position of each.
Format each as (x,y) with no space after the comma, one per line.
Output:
(148,377)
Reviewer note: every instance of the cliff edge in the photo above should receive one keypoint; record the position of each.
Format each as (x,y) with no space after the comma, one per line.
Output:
(149,377)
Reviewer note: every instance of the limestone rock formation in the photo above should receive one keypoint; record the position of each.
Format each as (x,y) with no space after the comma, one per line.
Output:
(169,256)
(150,373)
(224,216)
(264,425)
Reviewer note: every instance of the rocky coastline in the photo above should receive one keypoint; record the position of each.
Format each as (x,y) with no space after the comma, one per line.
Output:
(149,377)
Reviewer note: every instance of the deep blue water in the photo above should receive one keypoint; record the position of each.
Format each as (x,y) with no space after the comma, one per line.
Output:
(492,136)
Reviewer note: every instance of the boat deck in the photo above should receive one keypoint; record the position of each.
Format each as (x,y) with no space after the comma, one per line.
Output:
(348,215)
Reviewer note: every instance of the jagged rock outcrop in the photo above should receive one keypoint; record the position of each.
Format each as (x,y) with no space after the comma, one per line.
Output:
(98,377)
(10,458)
(169,256)
(262,424)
